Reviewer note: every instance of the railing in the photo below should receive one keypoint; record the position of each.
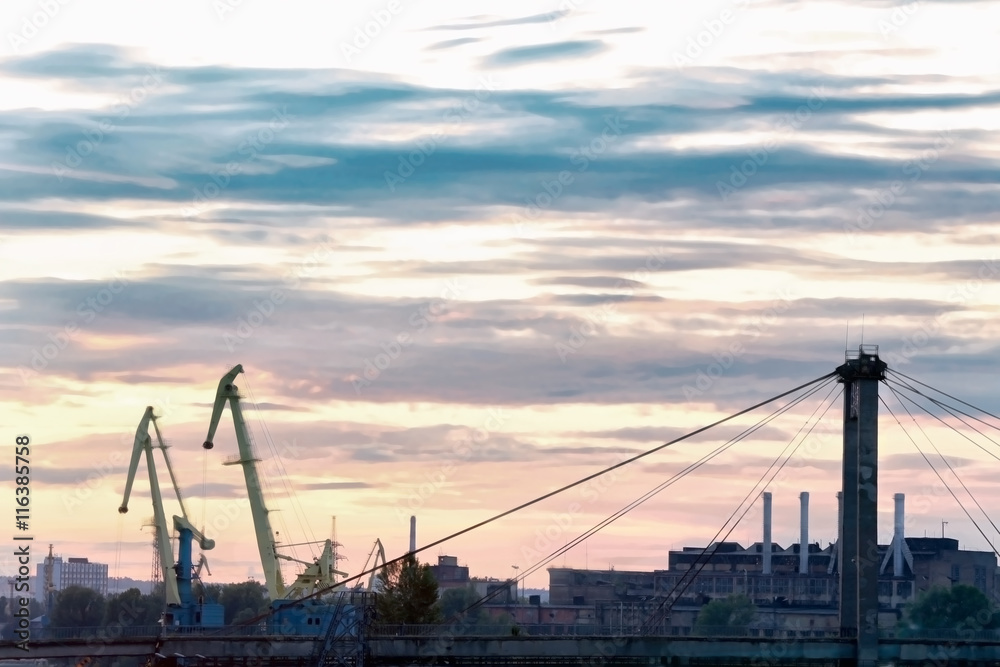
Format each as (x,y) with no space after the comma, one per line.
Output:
(115,632)
(97,635)
(940,634)
(587,630)
(725,632)
(459,629)
(762,633)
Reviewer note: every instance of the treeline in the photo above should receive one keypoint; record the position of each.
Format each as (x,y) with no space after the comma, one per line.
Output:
(79,607)
(407,594)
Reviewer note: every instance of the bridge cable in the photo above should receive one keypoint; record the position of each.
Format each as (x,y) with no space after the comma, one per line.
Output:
(938,402)
(943,458)
(954,398)
(985,450)
(639,501)
(118,555)
(940,477)
(952,411)
(660,612)
(548,495)
(282,470)
(583,480)
(664,608)
(269,487)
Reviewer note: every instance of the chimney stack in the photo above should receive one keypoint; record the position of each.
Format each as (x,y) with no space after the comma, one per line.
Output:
(897,539)
(840,530)
(767,533)
(804,533)
(413,534)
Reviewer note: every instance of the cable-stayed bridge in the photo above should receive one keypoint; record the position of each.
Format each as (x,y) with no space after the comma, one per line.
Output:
(858,639)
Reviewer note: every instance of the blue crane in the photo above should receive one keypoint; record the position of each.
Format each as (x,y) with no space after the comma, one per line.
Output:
(182,609)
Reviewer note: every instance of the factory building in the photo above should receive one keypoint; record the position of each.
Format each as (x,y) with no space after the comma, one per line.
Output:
(793,587)
(449,574)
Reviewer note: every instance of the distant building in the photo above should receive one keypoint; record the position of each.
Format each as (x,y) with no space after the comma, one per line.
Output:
(449,574)
(501,591)
(791,589)
(72,572)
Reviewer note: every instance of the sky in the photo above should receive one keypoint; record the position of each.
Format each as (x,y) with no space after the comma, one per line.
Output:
(468,253)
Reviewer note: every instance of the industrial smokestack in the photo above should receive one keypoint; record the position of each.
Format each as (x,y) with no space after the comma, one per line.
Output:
(837,557)
(804,533)
(767,533)
(413,534)
(897,538)
(840,530)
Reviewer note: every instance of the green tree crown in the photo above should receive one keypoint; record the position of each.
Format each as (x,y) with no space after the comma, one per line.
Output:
(407,593)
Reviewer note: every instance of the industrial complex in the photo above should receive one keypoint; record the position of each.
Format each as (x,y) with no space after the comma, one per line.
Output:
(792,587)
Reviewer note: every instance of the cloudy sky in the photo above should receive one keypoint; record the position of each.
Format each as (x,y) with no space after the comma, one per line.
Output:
(467,255)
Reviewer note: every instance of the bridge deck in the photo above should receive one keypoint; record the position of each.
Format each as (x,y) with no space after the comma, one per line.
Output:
(283,650)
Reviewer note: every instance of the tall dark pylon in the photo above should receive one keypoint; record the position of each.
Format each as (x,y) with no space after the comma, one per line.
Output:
(860,373)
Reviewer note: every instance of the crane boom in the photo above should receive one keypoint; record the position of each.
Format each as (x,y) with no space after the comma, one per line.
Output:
(170,471)
(269,558)
(142,444)
(376,555)
(141,435)
(177,579)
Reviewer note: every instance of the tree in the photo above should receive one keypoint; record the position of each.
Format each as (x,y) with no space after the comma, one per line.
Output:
(408,593)
(958,607)
(77,607)
(35,608)
(243,601)
(208,592)
(735,611)
(456,600)
(131,608)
